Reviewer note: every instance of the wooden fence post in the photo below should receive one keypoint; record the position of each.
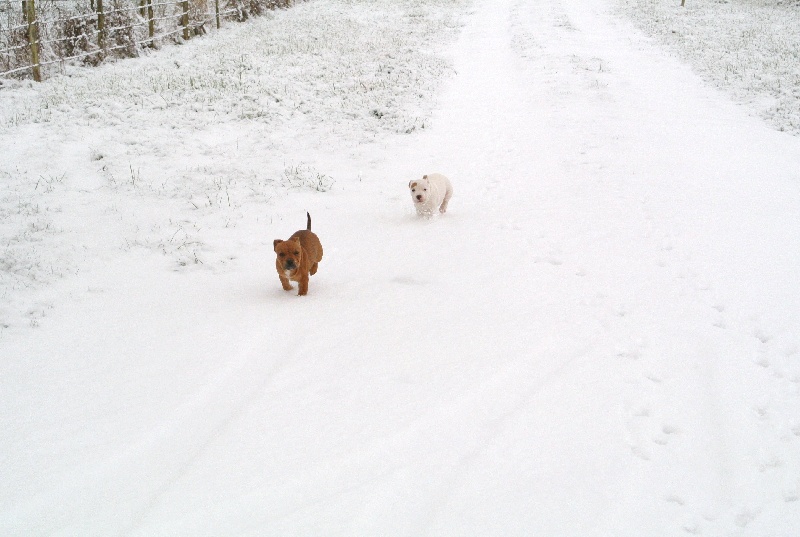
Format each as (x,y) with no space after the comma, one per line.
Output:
(101,26)
(185,19)
(33,38)
(151,22)
(216,9)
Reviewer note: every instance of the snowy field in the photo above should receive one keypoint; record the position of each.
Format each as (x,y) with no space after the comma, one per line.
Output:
(599,337)
(749,48)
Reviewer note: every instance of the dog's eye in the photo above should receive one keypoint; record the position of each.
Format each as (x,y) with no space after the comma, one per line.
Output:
(297,253)
(281,254)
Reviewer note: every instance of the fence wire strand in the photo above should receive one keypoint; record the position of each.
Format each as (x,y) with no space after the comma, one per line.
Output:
(68,34)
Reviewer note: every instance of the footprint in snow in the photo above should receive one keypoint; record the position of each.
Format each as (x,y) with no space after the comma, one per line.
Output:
(692,528)
(771,463)
(653,378)
(663,439)
(408,280)
(762,336)
(669,429)
(720,309)
(745,517)
(677,500)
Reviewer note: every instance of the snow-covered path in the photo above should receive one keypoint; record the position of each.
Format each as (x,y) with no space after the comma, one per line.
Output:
(614,184)
(599,338)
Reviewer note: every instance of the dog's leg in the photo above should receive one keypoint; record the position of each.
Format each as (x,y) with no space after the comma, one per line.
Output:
(313,269)
(303,281)
(285,283)
(448,193)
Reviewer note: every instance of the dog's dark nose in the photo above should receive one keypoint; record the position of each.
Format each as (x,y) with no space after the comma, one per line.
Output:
(419,196)
(289,264)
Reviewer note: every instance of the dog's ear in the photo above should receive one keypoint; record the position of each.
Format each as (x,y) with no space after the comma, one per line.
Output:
(275,244)
(412,184)
(296,239)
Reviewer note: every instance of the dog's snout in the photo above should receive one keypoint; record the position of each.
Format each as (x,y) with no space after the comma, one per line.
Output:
(289,264)
(419,196)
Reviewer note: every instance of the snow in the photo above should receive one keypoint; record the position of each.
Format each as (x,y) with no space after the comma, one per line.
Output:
(598,338)
(751,48)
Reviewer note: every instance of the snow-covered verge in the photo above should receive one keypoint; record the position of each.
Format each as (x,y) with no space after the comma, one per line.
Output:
(362,65)
(750,48)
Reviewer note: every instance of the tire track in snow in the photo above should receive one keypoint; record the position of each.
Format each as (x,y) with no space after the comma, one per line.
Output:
(239,384)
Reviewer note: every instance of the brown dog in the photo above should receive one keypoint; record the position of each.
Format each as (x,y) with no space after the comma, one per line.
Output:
(298,258)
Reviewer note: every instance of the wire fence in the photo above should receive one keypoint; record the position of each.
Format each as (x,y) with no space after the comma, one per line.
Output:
(39,37)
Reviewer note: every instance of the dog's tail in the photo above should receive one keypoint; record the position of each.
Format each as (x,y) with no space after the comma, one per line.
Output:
(308,225)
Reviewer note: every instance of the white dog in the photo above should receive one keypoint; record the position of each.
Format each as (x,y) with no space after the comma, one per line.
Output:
(431,192)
